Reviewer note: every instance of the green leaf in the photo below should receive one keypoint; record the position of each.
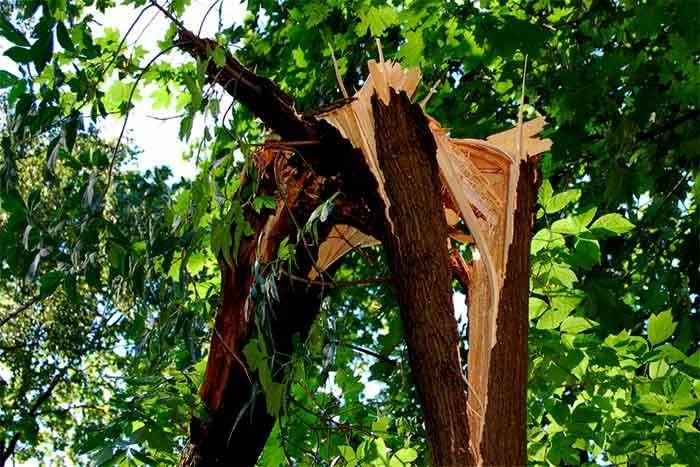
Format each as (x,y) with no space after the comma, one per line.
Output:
(406,455)
(299,58)
(196,263)
(103,455)
(585,414)
(563,274)
(219,56)
(159,439)
(660,327)
(576,324)
(117,96)
(347,452)
(545,239)
(561,200)
(377,19)
(49,282)
(264,201)
(195,91)
(381,425)
(567,300)
(42,49)
(412,50)
(658,369)
(536,307)
(566,226)
(71,289)
(613,224)
(273,397)
(11,33)
(221,241)
(552,319)
(545,193)
(63,37)
(586,252)
(20,54)
(7,79)
(585,218)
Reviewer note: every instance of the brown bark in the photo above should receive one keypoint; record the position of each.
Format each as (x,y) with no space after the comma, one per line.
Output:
(419,263)
(301,180)
(261,96)
(239,423)
(498,389)
(415,242)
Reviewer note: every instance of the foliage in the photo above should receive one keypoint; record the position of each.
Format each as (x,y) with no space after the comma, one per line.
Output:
(108,277)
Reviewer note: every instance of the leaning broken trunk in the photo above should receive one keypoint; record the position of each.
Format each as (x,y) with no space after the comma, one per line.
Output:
(408,185)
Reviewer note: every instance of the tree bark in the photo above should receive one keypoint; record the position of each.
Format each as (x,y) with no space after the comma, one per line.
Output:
(498,375)
(415,243)
(300,183)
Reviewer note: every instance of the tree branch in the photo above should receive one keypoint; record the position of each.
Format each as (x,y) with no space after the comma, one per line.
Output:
(6,453)
(18,311)
(260,95)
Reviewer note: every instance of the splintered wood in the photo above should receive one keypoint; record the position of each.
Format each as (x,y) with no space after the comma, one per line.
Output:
(479,176)
(481,180)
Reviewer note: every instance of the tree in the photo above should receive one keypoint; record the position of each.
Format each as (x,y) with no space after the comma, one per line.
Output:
(600,378)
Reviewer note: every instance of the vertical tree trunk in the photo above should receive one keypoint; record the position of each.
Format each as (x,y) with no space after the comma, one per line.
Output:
(239,422)
(498,375)
(416,250)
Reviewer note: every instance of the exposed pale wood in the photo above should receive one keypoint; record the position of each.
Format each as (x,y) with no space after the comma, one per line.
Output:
(480,175)
(482,179)
(498,368)
(532,145)
(481,182)
(355,120)
(341,239)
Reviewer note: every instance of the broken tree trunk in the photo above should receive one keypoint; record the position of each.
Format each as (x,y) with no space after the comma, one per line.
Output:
(300,179)
(498,370)
(239,420)
(419,262)
(406,182)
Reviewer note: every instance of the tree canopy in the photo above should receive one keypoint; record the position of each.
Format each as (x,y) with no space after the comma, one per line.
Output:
(109,279)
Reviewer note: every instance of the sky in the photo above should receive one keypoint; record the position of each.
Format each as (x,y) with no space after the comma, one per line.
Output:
(158,139)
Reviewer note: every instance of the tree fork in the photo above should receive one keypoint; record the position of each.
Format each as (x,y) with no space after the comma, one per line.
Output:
(418,259)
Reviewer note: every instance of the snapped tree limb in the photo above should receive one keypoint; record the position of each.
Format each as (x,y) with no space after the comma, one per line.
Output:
(486,184)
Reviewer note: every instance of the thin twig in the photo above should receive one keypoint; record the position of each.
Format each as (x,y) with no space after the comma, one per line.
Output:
(128,111)
(370,281)
(285,144)
(201,25)
(519,142)
(338,77)
(371,353)
(18,311)
(232,353)
(126,35)
(165,119)
(432,90)
(169,15)
(380,52)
